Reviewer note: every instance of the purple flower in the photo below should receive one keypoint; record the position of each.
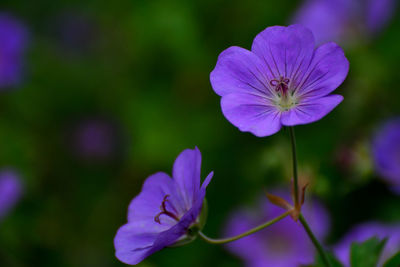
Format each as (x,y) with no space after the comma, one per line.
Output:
(95,139)
(165,210)
(284,243)
(327,19)
(13,40)
(10,191)
(378,13)
(283,80)
(386,152)
(77,32)
(340,20)
(366,231)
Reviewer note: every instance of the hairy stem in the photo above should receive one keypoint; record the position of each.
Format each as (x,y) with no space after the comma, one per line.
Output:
(310,234)
(295,176)
(317,245)
(249,232)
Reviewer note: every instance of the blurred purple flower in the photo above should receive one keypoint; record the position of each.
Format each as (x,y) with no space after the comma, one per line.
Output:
(95,138)
(10,191)
(283,80)
(386,152)
(339,20)
(77,32)
(13,42)
(284,244)
(378,13)
(366,231)
(162,214)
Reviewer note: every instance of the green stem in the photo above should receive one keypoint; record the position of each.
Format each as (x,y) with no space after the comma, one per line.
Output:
(249,232)
(314,240)
(318,246)
(295,176)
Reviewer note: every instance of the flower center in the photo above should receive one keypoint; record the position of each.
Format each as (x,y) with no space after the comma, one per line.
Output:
(281,86)
(285,98)
(164,211)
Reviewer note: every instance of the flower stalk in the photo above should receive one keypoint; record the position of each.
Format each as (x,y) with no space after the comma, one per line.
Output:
(307,228)
(295,175)
(314,240)
(249,232)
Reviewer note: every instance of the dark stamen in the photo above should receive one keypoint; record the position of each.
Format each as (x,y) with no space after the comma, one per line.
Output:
(281,85)
(164,210)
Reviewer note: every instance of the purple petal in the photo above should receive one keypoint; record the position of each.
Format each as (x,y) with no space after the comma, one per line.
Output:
(310,111)
(286,51)
(250,248)
(283,244)
(10,191)
(13,40)
(239,71)
(379,12)
(207,180)
(366,231)
(134,241)
(326,18)
(170,236)
(386,152)
(251,113)
(326,72)
(186,173)
(146,205)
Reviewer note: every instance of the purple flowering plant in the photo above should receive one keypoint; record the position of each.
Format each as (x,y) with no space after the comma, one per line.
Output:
(282,244)
(365,231)
(10,191)
(386,152)
(13,42)
(166,212)
(342,20)
(283,81)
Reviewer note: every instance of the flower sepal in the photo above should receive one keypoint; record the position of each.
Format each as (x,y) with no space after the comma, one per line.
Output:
(295,210)
(193,230)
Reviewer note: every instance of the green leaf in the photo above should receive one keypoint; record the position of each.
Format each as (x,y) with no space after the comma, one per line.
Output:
(366,254)
(393,261)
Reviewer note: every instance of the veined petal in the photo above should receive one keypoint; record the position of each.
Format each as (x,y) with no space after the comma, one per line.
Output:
(207,180)
(147,204)
(134,241)
(286,51)
(251,113)
(170,236)
(310,111)
(239,71)
(186,173)
(328,69)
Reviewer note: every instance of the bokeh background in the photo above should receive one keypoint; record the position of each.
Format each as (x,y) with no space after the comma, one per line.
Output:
(113,91)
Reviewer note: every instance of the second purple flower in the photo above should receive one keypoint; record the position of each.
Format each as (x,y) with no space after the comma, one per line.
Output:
(283,81)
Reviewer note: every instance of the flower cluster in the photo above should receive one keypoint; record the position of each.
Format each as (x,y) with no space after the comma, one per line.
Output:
(283,81)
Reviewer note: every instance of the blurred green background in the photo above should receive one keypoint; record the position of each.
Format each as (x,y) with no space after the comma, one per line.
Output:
(143,66)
